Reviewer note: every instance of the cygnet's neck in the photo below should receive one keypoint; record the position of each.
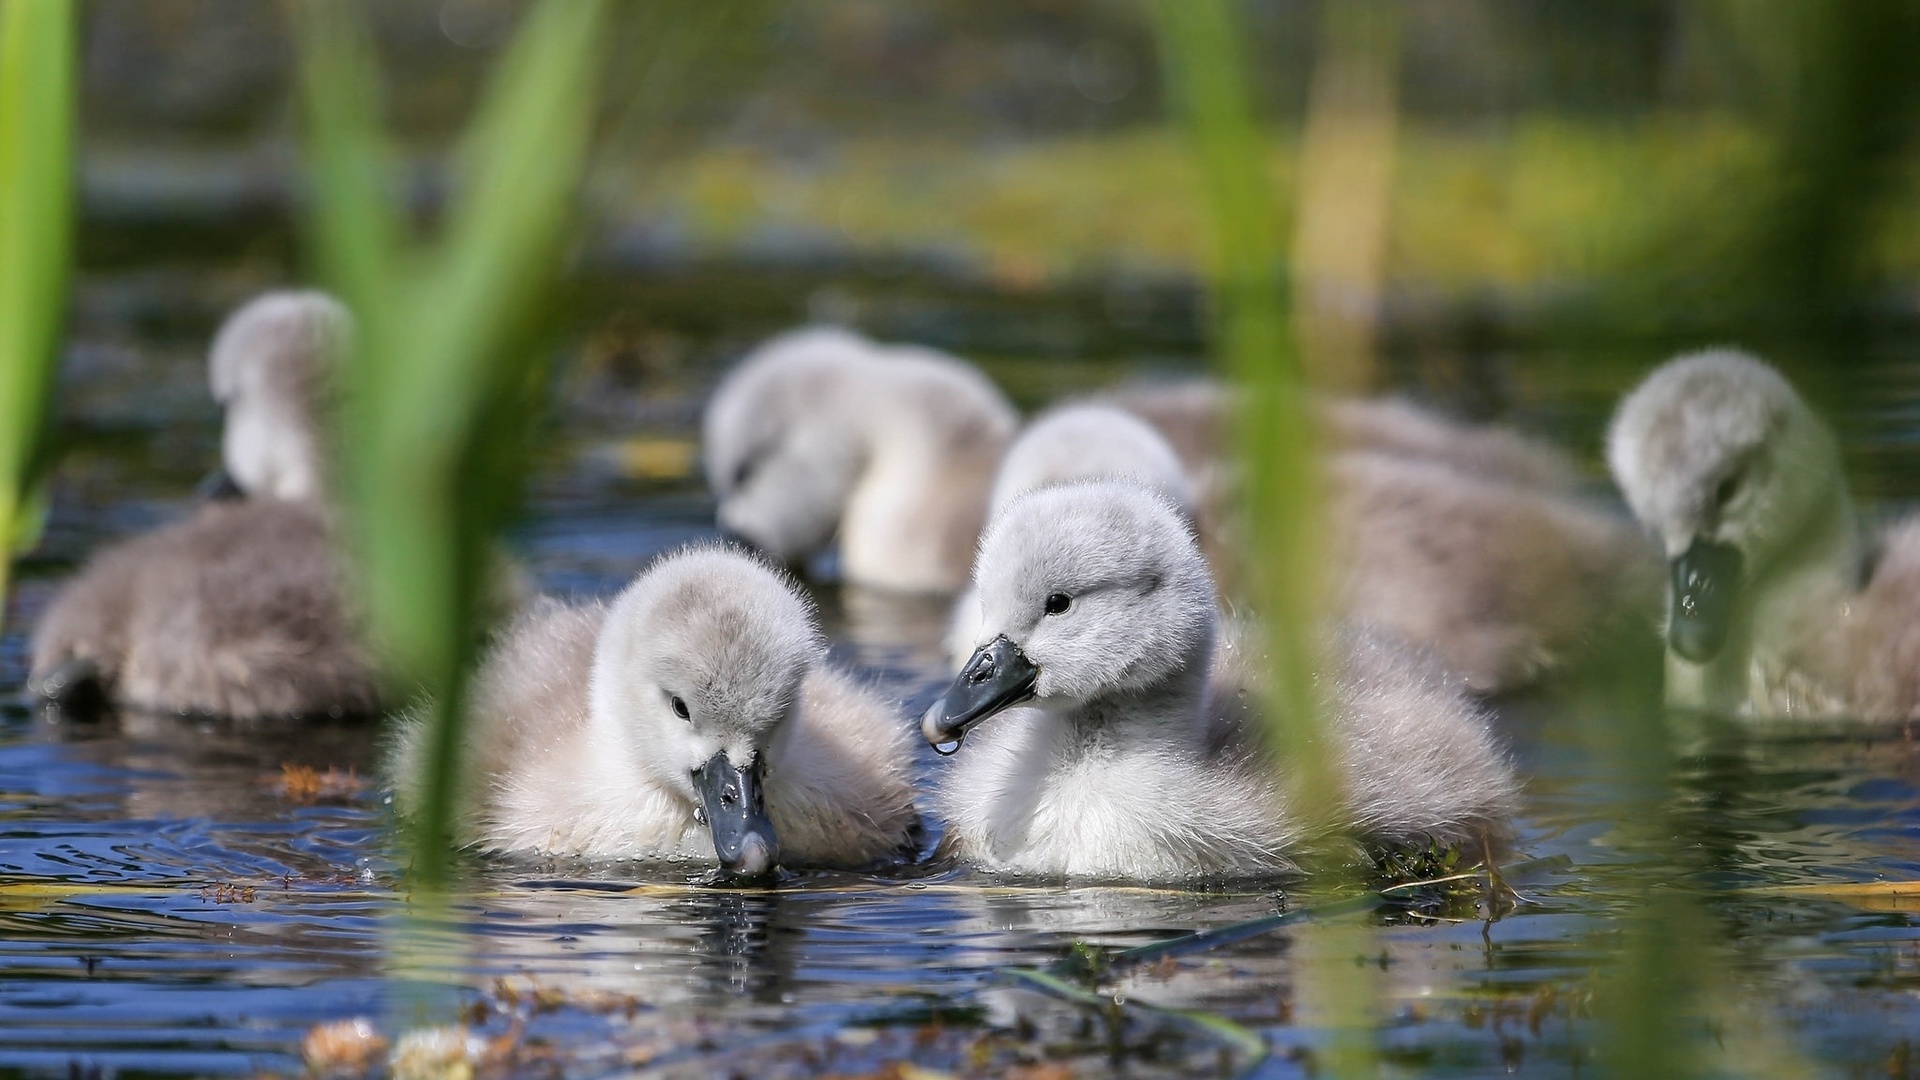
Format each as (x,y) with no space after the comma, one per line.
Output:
(1818,566)
(1165,713)
(272,449)
(931,441)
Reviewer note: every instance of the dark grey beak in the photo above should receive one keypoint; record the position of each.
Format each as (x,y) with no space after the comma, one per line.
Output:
(1706,582)
(997,676)
(736,812)
(219,486)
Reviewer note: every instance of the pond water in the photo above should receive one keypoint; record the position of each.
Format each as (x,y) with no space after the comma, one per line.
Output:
(186,898)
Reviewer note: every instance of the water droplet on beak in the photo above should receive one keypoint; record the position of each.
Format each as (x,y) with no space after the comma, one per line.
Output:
(948,748)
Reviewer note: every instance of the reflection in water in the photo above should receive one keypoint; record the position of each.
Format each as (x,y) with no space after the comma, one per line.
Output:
(165,894)
(665,945)
(897,635)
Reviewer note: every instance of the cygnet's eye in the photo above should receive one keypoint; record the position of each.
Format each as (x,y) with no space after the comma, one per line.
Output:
(1057,603)
(680,708)
(1728,488)
(743,474)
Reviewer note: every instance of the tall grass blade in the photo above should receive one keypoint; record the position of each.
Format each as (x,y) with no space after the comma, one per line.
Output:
(1284,565)
(37,44)
(431,414)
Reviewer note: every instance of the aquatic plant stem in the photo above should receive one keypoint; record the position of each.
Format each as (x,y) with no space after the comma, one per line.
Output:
(1284,565)
(434,418)
(37,48)
(1252,338)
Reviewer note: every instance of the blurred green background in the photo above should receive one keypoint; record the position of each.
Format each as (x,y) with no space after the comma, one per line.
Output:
(1595,184)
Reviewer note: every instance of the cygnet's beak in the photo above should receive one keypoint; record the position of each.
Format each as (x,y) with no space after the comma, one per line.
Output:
(736,812)
(1706,580)
(997,676)
(219,486)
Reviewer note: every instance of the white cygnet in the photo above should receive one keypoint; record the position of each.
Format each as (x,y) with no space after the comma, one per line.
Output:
(240,610)
(1104,717)
(1776,608)
(820,433)
(262,372)
(694,716)
(1077,441)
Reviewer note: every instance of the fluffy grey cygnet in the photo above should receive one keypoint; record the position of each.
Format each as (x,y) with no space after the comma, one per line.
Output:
(239,610)
(821,433)
(694,716)
(1103,714)
(1776,606)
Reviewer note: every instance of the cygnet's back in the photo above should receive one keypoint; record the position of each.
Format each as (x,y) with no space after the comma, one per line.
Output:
(1194,417)
(1090,441)
(241,609)
(1418,760)
(1507,584)
(821,435)
(1474,542)
(1115,739)
(595,728)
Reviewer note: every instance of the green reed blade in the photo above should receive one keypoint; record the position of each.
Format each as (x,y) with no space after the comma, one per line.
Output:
(1284,565)
(37,43)
(445,333)
(1207,79)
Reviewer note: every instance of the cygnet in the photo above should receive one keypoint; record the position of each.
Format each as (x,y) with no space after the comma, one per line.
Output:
(1103,716)
(821,433)
(694,716)
(1776,605)
(240,610)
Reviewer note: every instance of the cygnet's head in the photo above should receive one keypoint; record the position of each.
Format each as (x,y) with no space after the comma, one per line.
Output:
(1086,590)
(1729,469)
(269,368)
(699,663)
(1090,442)
(781,452)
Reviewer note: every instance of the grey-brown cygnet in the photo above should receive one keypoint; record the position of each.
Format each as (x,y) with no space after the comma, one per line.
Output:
(695,715)
(1777,606)
(820,433)
(1473,542)
(1193,416)
(1102,714)
(240,610)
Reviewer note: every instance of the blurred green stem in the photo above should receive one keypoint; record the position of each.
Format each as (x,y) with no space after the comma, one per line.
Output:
(445,331)
(1284,569)
(37,45)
